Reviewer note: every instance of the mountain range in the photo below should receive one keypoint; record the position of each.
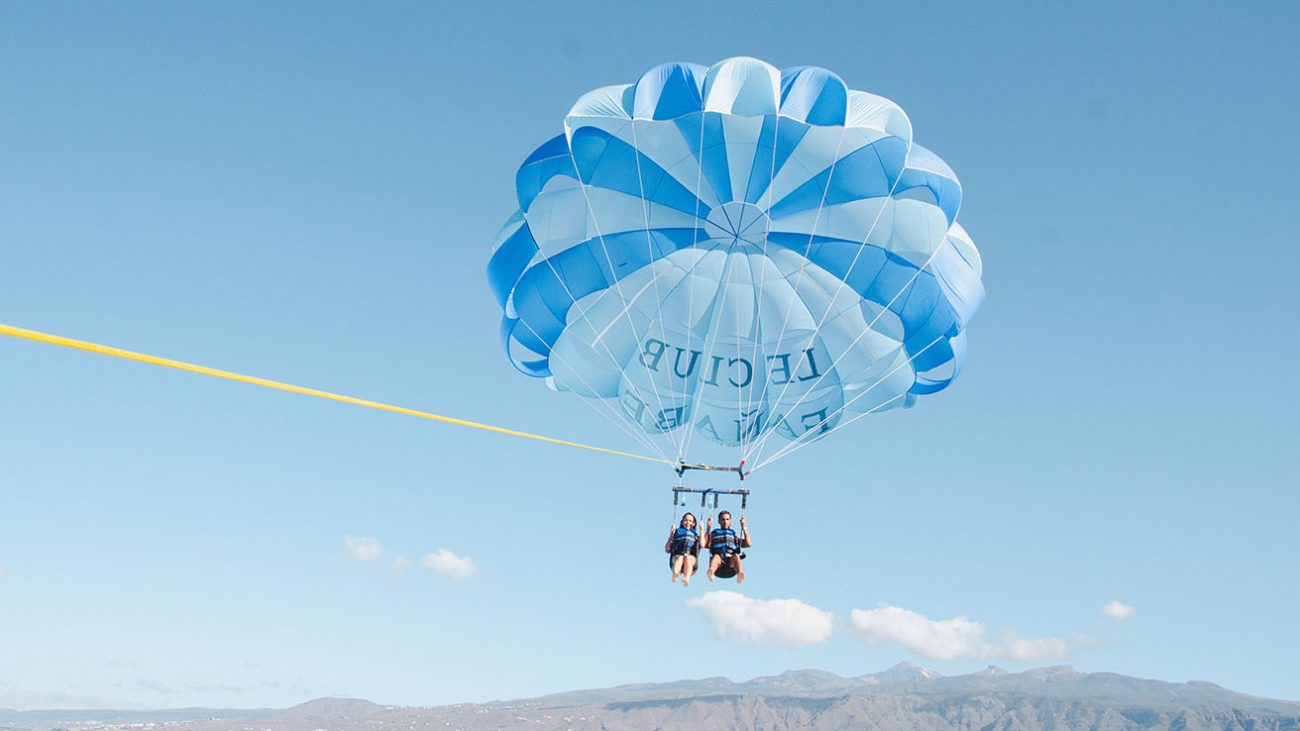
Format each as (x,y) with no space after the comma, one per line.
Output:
(902,698)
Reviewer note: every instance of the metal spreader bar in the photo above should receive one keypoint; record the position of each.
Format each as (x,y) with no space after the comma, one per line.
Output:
(704,494)
(739,469)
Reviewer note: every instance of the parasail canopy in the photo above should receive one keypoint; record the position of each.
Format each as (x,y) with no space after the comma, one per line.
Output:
(745,255)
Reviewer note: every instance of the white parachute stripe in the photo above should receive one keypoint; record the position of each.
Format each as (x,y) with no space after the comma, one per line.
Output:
(848,221)
(856,347)
(910,229)
(817,150)
(965,247)
(742,86)
(709,350)
(877,113)
(603,103)
(742,135)
(559,217)
(661,141)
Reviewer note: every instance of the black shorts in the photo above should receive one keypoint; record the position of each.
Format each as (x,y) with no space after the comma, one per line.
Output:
(672,556)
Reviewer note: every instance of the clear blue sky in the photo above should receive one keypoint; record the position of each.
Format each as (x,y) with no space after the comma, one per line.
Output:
(309,192)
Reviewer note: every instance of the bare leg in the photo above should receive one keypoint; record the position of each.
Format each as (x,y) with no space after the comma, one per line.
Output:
(677,567)
(714,562)
(740,573)
(688,569)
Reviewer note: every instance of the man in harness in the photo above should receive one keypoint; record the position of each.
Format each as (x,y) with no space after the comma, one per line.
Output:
(725,546)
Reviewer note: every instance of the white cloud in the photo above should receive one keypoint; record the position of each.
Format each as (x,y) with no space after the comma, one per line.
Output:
(1117,610)
(932,640)
(947,639)
(401,562)
(362,549)
(1028,650)
(449,564)
(785,622)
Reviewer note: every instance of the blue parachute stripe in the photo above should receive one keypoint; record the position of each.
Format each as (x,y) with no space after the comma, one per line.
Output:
(523,336)
(532,307)
(946,191)
(788,133)
(929,347)
(509,261)
(868,172)
(937,323)
(924,385)
(534,368)
(961,285)
(924,157)
(887,280)
(546,162)
(604,161)
(712,158)
(814,95)
(918,303)
(956,350)
(669,91)
(546,292)
(557,145)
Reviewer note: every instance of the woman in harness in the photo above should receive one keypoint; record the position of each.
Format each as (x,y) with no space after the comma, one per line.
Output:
(683,547)
(724,546)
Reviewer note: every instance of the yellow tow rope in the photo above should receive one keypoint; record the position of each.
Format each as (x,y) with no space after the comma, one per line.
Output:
(41,337)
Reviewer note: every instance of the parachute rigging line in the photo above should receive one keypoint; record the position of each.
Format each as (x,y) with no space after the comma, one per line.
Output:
(41,337)
(604,247)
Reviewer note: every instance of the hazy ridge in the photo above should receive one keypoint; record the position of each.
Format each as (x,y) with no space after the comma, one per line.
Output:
(903,698)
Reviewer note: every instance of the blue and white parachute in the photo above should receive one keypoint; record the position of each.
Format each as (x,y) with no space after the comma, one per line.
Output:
(736,253)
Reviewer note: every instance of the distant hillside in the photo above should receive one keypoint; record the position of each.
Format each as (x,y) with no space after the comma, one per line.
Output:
(903,698)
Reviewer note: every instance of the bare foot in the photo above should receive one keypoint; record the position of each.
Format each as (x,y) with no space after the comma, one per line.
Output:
(686,580)
(710,575)
(740,577)
(674,578)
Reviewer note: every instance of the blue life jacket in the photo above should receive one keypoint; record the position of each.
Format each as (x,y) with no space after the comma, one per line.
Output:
(685,540)
(724,541)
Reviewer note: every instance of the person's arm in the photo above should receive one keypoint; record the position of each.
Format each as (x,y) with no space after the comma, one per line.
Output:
(744,534)
(708,533)
(668,547)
